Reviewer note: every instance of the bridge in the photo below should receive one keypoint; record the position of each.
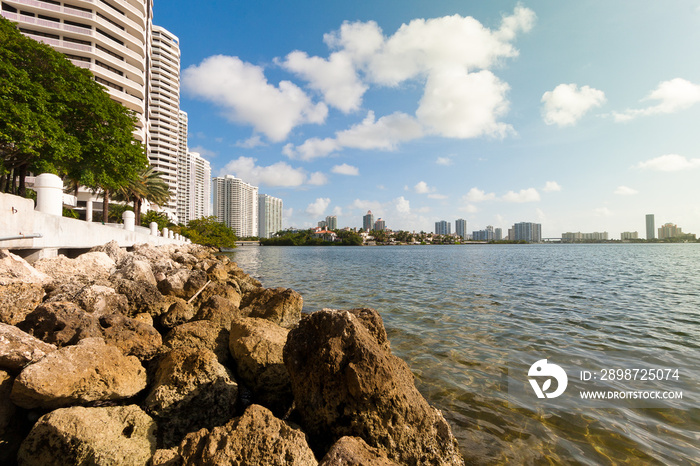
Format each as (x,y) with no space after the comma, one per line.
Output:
(247,243)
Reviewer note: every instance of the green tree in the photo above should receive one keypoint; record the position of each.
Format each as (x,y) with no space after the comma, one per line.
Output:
(149,185)
(161,218)
(208,231)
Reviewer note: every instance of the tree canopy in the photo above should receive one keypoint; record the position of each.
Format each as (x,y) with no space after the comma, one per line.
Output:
(208,231)
(55,118)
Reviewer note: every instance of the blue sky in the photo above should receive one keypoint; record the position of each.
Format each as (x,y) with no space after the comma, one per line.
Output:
(580,116)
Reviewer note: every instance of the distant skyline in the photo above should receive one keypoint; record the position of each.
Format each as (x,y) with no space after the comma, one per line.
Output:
(581,117)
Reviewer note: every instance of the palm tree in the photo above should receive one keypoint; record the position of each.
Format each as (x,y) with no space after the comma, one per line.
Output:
(148,185)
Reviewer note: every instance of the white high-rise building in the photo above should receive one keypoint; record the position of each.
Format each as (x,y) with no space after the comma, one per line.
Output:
(194,187)
(110,38)
(269,215)
(461,228)
(184,171)
(236,205)
(164,109)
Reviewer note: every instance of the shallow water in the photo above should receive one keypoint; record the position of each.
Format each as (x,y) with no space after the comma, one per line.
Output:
(463,316)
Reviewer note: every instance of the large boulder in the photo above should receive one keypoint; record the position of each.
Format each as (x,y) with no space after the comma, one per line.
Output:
(230,291)
(183,283)
(191,390)
(14,269)
(257,437)
(18,348)
(199,334)
(131,336)
(7,409)
(279,305)
(97,299)
(219,310)
(10,435)
(353,451)
(346,382)
(136,269)
(176,311)
(113,250)
(141,296)
(84,268)
(117,435)
(90,371)
(19,299)
(60,323)
(257,346)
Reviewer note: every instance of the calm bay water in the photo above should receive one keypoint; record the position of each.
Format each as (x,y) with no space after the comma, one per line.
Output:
(459,315)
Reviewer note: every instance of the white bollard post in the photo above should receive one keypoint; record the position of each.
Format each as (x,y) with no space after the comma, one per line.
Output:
(171,234)
(88,211)
(154,228)
(165,232)
(49,194)
(129,220)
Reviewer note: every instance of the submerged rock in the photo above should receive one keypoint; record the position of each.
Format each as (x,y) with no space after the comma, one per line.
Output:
(346,382)
(90,371)
(119,435)
(255,438)
(18,348)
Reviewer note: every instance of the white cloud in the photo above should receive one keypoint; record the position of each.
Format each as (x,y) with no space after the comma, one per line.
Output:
(287,213)
(603,211)
(469,208)
(334,77)
(670,163)
(311,148)
(251,142)
(245,95)
(625,191)
(345,169)
(673,96)
(318,179)
(278,174)
(203,151)
(337,211)
(402,205)
(566,104)
(422,188)
(524,195)
(385,133)
(318,207)
(551,186)
(446,161)
(477,195)
(437,196)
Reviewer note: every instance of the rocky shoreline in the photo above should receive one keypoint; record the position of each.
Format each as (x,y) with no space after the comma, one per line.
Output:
(174,356)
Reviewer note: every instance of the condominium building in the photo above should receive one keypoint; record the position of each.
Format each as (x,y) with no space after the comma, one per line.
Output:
(461,228)
(669,230)
(110,38)
(627,235)
(651,231)
(526,231)
(183,169)
(443,228)
(368,221)
(236,205)
(332,222)
(380,225)
(484,235)
(269,215)
(194,187)
(498,234)
(164,109)
(575,237)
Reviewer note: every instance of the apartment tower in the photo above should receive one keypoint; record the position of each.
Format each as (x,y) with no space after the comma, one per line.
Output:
(461,228)
(368,221)
(269,215)
(651,231)
(236,205)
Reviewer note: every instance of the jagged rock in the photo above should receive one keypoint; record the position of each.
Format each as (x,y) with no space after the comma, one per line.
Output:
(145,318)
(353,451)
(217,272)
(218,310)
(14,269)
(17,300)
(89,371)
(346,382)
(117,435)
(183,283)
(138,270)
(60,323)
(178,312)
(279,305)
(185,258)
(230,291)
(97,299)
(113,250)
(84,268)
(168,457)
(246,283)
(132,337)
(191,390)
(7,409)
(141,296)
(17,348)
(257,437)
(256,346)
(150,252)
(200,334)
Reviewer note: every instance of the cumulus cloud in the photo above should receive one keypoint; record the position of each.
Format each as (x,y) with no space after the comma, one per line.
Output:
(311,148)
(446,161)
(566,104)
(422,188)
(318,207)
(204,152)
(278,174)
(437,196)
(625,191)
(251,142)
(551,186)
(672,96)
(385,133)
(670,163)
(317,178)
(345,169)
(402,205)
(246,97)
(478,195)
(524,195)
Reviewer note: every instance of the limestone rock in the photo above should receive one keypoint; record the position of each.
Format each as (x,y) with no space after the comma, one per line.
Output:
(17,300)
(141,296)
(256,346)
(132,337)
(14,269)
(85,268)
(184,258)
(60,323)
(191,390)
(17,348)
(166,457)
(217,272)
(219,310)
(177,312)
(7,409)
(279,305)
(230,291)
(90,371)
(346,382)
(255,438)
(113,250)
(200,334)
(118,435)
(135,269)
(353,451)
(96,299)
(183,283)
